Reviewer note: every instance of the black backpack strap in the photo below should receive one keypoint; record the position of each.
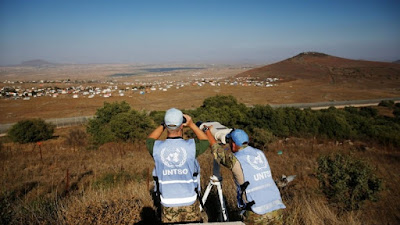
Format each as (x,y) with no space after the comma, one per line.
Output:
(243,188)
(158,193)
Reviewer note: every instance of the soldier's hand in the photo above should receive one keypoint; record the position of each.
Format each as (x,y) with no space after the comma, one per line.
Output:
(189,120)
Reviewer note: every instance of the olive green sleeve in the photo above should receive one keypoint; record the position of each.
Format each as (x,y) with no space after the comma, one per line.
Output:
(150,145)
(201,146)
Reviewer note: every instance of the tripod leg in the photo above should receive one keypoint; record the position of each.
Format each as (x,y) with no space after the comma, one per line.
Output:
(206,193)
(221,200)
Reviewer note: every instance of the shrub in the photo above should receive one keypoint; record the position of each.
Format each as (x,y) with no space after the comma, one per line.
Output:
(261,137)
(32,130)
(109,110)
(131,126)
(368,112)
(396,112)
(386,103)
(224,109)
(334,125)
(219,101)
(347,182)
(117,122)
(157,116)
(267,118)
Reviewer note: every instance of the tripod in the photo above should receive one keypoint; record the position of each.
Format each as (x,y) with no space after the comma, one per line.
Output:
(215,180)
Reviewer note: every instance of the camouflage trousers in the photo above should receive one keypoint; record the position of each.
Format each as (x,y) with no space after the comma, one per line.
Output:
(273,218)
(181,214)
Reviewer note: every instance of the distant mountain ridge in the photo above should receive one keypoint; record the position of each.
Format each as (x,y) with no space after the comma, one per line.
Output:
(37,62)
(320,66)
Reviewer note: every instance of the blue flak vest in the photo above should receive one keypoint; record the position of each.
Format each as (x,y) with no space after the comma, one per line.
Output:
(262,188)
(175,166)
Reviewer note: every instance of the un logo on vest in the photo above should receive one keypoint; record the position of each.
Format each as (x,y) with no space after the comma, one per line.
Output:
(257,162)
(173,157)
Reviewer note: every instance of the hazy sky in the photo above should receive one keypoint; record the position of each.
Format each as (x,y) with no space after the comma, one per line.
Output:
(115,31)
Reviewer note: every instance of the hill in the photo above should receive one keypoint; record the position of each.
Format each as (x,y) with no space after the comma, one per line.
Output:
(36,62)
(320,66)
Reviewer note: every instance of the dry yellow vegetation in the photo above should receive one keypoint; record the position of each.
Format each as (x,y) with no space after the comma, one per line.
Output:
(113,184)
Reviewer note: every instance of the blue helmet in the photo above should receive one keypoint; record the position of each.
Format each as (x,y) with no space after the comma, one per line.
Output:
(238,136)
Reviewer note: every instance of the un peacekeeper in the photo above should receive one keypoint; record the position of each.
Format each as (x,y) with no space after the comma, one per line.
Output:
(176,167)
(257,193)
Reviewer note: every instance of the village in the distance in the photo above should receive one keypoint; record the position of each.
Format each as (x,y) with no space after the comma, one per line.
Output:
(95,88)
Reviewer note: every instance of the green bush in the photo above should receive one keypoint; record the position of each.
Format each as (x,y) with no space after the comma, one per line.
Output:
(396,112)
(224,109)
(347,182)
(157,116)
(105,114)
(117,122)
(334,125)
(32,130)
(131,126)
(270,119)
(386,103)
(368,112)
(261,137)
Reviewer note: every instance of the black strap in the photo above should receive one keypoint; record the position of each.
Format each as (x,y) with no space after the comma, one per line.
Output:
(249,205)
(157,186)
(243,188)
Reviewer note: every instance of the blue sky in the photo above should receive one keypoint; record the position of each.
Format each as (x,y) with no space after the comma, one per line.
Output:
(202,31)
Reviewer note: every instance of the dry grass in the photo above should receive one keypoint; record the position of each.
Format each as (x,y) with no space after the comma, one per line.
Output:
(112,185)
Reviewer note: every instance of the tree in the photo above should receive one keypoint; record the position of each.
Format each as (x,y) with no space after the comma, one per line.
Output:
(117,122)
(131,126)
(224,109)
(32,130)
(109,110)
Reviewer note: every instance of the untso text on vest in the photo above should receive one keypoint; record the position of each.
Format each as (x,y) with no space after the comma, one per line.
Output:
(262,188)
(175,164)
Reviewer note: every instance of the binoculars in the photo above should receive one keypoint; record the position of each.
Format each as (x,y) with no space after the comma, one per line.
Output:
(218,130)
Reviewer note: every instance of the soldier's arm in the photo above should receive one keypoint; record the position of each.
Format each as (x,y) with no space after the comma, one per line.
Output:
(156,132)
(223,156)
(150,145)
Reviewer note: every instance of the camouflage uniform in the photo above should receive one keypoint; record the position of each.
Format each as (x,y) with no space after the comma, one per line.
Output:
(272,218)
(229,160)
(181,214)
